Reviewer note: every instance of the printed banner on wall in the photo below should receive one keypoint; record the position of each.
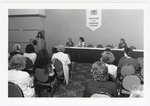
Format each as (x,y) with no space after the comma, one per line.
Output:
(93,19)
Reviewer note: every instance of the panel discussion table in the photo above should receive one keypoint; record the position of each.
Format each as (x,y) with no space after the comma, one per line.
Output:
(90,55)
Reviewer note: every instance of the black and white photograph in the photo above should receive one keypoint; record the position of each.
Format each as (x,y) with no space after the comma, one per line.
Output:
(76,51)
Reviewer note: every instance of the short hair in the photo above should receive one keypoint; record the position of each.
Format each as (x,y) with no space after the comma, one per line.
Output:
(123,40)
(30,48)
(128,51)
(81,38)
(100,71)
(107,57)
(16,47)
(61,48)
(17,62)
(137,92)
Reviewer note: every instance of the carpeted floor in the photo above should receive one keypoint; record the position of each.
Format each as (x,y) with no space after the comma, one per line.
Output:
(80,76)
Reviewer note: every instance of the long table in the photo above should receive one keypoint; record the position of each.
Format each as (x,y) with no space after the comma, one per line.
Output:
(90,55)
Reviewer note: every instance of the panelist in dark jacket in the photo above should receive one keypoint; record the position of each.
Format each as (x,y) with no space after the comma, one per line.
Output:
(70,43)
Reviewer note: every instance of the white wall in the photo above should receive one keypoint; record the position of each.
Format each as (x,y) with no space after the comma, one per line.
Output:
(61,24)
(116,24)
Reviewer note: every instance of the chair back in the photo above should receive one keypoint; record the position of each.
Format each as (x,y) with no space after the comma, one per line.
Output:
(140,61)
(58,66)
(29,63)
(129,81)
(100,46)
(110,46)
(132,47)
(142,72)
(41,75)
(90,45)
(101,95)
(14,90)
(127,69)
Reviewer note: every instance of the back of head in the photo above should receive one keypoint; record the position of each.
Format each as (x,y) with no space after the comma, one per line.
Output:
(30,49)
(100,71)
(128,51)
(137,92)
(107,57)
(42,59)
(16,47)
(17,62)
(61,48)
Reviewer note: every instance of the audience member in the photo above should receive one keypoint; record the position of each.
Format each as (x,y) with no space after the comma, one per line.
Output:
(108,58)
(122,44)
(127,59)
(70,42)
(137,92)
(100,83)
(30,52)
(43,62)
(19,77)
(81,42)
(63,57)
(16,50)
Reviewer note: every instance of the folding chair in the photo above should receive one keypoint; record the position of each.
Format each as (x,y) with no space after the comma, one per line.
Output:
(41,83)
(90,45)
(132,47)
(140,61)
(14,90)
(127,69)
(128,82)
(100,46)
(101,95)
(29,66)
(58,70)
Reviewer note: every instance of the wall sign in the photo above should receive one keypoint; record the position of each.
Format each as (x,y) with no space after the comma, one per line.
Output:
(93,19)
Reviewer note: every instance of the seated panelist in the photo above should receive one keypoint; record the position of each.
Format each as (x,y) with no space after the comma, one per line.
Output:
(122,44)
(81,42)
(70,42)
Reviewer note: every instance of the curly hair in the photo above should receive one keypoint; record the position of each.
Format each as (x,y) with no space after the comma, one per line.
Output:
(137,91)
(17,62)
(16,47)
(107,57)
(100,71)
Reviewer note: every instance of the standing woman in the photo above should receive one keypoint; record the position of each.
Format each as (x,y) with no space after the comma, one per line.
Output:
(81,42)
(122,44)
(30,52)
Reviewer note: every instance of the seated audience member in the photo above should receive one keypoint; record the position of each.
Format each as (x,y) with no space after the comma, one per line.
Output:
(122,44)
(100,83)
(108,58)
(30,52)
(19,77)
(70,42)
(16,50)
(127,59)
(63,57)
(43,62)
(137,92)
(81,42)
